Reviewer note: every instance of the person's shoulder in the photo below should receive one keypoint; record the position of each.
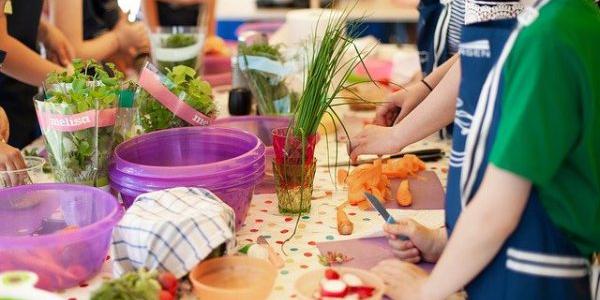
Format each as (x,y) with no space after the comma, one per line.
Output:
(566,21)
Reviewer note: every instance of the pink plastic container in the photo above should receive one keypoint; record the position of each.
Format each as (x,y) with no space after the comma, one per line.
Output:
(61,232)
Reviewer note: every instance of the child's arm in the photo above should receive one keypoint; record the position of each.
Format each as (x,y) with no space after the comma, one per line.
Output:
(436,111)
(58,48)
(67,15)
(482,228)
(398,105)
(150,9)
(21,62)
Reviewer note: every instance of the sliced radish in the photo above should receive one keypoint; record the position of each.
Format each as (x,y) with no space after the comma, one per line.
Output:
(333,288)
(362,291)
(331,274)
(352,280)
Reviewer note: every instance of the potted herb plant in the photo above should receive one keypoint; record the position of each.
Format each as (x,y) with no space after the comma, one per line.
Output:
(178,98)
(178,45)
(77,115)
(266,70)
(332,59)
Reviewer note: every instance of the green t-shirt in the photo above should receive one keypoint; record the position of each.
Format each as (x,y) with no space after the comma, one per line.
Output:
(549,130)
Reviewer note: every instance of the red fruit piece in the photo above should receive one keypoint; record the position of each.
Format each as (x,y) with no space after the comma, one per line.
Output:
(168,282)
(331,274)
(165,295)
(362,291)
(334,288)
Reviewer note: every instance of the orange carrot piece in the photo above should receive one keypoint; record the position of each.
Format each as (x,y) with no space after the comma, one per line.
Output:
(355,194)
(364,205)
(403,195)
(342,176)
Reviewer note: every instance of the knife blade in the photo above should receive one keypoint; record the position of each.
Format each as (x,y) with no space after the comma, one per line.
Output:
(383,212)
(426,155)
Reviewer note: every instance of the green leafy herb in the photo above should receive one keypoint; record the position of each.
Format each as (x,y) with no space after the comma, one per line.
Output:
(267,88)
(333,60)
(141,285)
(183,82)
(178,40)
(81,156)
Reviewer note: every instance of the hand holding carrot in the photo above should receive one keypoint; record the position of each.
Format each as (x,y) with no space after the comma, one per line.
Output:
(374,140)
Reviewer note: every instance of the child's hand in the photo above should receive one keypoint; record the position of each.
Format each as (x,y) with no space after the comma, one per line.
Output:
(58,46)
(373,140)
(4,126)
(132,36)
(423,244)
(10,160)
(402,280)
(399,104)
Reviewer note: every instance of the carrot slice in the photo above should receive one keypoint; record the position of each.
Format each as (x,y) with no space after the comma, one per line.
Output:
(342,176)
(364,205)
(355,195)
(403,195)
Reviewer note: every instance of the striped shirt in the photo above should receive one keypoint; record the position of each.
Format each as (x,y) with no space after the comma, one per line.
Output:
(457,20)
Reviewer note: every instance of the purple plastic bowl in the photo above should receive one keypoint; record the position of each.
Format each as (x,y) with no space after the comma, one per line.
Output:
(210,179)
(237,195)
(61,232)
(185,152)
(152,184)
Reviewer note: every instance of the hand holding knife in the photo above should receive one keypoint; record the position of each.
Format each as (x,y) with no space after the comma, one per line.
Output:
(383,212)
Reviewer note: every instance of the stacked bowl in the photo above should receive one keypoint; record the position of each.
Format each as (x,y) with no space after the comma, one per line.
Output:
(228,162)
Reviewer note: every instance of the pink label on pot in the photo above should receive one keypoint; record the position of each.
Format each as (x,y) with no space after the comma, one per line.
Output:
(76,122)
(152,84)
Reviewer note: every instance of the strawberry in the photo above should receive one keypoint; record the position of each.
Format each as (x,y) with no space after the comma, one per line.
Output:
(168,282)
(331,274)
(165,295)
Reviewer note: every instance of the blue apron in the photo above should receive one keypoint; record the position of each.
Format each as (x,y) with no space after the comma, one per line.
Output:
(537,261)
(432,29)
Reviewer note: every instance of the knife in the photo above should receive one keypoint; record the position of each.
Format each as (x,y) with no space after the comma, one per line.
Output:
(274,257)
(426,155)
(383,212)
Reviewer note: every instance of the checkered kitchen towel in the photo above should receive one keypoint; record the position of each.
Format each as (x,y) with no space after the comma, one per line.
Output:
(172,230)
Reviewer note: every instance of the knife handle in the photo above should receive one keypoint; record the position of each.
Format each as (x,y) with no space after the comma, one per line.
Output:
(423,152)
(401,237)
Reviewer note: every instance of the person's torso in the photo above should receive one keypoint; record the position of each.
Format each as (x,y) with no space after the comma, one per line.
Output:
(99,16)
(177,15)
(15,96)
(536,261)
(571,196)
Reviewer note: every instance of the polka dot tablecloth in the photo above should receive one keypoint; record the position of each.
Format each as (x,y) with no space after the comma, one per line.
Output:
(301,253)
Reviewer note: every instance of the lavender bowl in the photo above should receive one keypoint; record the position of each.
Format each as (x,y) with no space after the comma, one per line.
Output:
(59,231)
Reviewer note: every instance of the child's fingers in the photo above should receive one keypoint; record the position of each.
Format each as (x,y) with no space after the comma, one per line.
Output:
(405,257)
(402,227)
(406,253)
(400,244)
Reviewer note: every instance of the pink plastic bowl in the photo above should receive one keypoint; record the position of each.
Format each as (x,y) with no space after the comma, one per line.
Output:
(61,232)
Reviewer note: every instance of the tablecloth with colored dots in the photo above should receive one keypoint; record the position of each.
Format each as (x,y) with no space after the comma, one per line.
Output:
(301,253)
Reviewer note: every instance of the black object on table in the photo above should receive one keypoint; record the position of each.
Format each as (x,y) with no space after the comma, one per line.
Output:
(240,102)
